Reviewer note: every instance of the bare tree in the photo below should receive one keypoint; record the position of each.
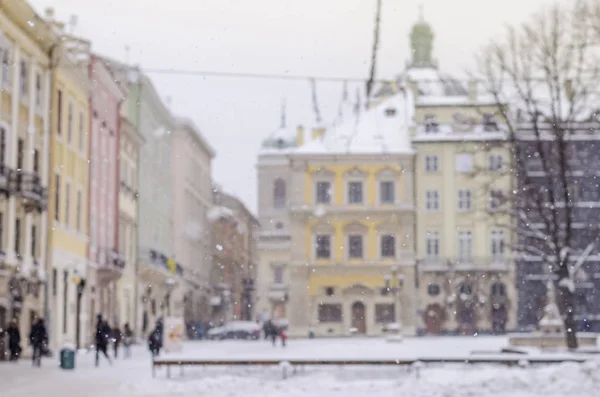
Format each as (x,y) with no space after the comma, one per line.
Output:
(544,78)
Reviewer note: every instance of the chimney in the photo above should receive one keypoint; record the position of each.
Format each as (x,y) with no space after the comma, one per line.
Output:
(318,132)
(472,88)
(300,136)
(49,14)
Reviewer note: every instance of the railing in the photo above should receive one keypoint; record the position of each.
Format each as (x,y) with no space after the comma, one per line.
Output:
(466,263)
(28,185)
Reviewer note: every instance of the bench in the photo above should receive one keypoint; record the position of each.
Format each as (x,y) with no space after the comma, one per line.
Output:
(416,362)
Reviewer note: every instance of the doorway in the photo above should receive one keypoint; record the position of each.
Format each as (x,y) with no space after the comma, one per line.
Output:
(434,318)
(358,317)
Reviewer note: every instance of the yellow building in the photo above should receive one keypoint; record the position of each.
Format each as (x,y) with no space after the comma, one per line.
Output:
(337,216)
(71,313)
(25,48)
(466,273)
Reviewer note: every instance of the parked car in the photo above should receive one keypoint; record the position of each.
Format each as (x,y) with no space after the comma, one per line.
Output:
(236,330)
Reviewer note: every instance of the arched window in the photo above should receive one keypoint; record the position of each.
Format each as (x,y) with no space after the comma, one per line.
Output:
(498,289)
(279,196)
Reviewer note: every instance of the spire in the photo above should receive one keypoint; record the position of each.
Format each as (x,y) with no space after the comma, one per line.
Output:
(421,42)
(283,109)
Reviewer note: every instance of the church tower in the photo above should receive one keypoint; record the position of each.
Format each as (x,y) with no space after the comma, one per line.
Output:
(421,43)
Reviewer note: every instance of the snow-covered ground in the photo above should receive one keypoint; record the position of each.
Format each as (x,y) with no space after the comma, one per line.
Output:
(134,377)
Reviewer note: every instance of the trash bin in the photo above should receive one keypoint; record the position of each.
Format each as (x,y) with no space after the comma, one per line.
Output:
(67,358)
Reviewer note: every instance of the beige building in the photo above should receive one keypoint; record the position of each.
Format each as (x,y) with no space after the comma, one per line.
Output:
(129,152)
(234,259)
(337,214)
(466,273)
(25,81)
(192,195)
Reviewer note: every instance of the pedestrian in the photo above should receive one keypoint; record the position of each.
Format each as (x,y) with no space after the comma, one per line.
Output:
(127,340)
(283,337)
(102,336)
(39,341)
(14,340)
(267,325)
(274,332)
(155,340)
(117,337)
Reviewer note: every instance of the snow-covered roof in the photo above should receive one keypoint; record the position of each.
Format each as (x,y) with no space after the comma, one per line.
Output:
(383,128)
(218,212)
(281,139)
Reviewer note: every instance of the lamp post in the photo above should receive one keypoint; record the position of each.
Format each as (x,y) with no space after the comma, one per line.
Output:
(394,283)
(170,283)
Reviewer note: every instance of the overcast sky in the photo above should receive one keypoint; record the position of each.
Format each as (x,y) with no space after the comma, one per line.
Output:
(299,37)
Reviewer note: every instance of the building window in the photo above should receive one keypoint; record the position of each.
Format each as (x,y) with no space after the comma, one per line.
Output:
(464,162)
(387,192)
(465,246)
(6,68)
(279,194)
(497,248)
(355,193)
(498,289)
(78,215)
(464,200)
(59,106)
(67,204)
(433,289)
(323,247)
(495,163)
(385,313)
(65,300)
(18,237)
(33,241)
(70,122)
(278,275)
(465,290)
(57,198)
(24,79)
(330,313)
(432,244)
(38,90)
(54,281)
(432,200)
(431,125)
(81,127)
(323,193)
(2,146)
(329,291)
(431,163)
(388,246)
(495,199)
(36,161)
(20,154)
(355,249)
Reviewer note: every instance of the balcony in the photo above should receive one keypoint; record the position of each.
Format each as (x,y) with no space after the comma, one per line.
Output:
(5,178)
(278,292)
(322,210)
(28,186)
(111,265)
(439,264)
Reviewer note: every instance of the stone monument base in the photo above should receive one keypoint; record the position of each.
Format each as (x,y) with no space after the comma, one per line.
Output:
(550,340)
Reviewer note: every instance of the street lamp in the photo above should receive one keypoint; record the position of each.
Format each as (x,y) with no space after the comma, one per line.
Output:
(170,283)
(394,283)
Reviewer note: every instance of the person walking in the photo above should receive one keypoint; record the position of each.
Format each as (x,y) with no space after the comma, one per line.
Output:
(127,340)
(283,336)
(117,337)
(14,340)
(102,336)
(39,339)
(155,339)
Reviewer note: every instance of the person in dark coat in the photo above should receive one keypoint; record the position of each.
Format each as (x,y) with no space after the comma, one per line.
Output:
(39,340)
(103,332)
(117,337)
(14,340)
(155,339)
(127,340)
